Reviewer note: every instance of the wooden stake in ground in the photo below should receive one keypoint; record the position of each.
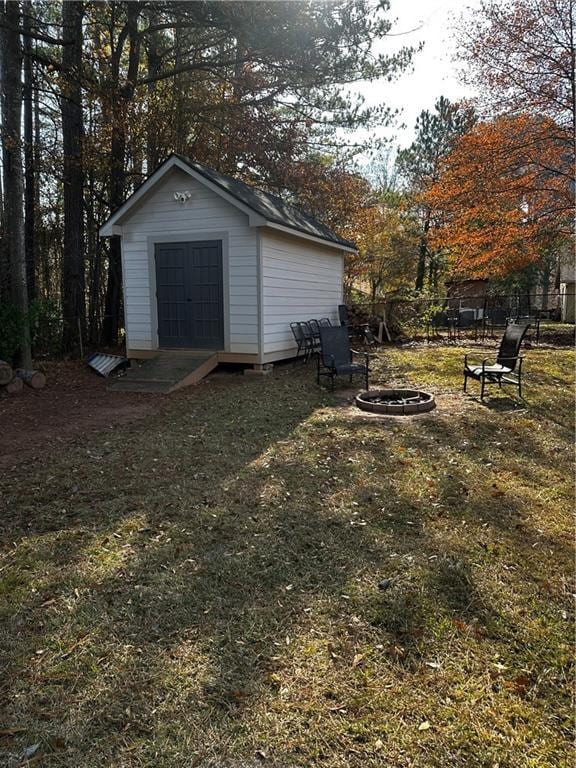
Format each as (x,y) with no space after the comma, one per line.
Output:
(383,329)
(6,372)
(34,379)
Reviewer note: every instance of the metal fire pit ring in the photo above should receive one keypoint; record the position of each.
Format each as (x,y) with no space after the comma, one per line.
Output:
(395,402)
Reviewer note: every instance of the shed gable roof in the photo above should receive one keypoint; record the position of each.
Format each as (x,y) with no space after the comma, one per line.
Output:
(270,208)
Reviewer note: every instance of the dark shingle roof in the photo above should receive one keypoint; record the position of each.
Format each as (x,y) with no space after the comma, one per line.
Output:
(269,206)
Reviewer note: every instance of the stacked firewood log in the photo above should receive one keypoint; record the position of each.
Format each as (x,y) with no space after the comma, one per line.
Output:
(12,381)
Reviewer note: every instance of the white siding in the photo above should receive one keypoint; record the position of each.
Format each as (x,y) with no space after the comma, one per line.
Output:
(159,215)
(300,280)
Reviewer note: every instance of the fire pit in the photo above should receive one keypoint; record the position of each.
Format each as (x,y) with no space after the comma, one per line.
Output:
(395,402)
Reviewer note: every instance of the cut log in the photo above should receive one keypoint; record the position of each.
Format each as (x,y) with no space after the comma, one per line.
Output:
(14,386)
(34,379)
(6,372)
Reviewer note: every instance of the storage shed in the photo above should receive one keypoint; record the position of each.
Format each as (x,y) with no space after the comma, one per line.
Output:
(212,264)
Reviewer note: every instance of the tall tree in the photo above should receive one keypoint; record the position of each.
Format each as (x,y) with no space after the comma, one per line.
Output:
(386,234)
(29,171)
(73,264)
(500,204)
(121,92)
(154,60)
(521,56)
(419,165)
(11,78)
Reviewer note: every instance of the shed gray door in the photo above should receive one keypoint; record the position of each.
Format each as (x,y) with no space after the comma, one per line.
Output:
(189,288)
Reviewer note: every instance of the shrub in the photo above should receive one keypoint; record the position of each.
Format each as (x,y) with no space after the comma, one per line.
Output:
(45,328)
(10,331)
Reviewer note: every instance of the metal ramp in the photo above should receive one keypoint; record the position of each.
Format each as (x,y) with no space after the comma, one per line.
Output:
(166,372)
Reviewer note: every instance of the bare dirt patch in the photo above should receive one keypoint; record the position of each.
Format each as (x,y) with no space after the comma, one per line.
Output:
(75,402)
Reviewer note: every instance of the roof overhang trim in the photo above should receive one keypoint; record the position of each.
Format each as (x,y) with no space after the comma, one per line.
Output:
(113,226)
(110,228)
(313,238)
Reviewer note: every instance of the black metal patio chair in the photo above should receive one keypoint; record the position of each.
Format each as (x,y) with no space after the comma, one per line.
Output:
(299,338)
(343,314)
(315,328)
(441,321)
(497,317)
(325,322)
(533,321)
(467,321)
(312,340)
(507,368)
(336,357)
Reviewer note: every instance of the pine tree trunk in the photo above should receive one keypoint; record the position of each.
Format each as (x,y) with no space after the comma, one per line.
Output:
(421,268)
(73,301)
(13,173)
(121,99)
(4,255)
(154,63)
(423,253)
(29,171)
(40,233)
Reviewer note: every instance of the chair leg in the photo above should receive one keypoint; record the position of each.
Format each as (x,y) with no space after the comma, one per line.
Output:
(465,381)
(332,377)
(482,383)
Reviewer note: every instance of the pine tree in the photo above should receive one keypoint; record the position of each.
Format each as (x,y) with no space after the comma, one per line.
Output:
(419,165)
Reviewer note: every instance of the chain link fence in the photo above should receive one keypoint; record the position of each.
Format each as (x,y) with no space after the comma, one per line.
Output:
(460,316)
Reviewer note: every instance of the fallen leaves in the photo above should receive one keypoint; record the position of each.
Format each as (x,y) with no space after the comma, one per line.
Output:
(313,604)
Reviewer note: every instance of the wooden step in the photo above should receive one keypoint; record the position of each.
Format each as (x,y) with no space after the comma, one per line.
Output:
(166,372)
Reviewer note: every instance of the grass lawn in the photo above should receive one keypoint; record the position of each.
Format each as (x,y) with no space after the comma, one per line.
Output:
(259,575)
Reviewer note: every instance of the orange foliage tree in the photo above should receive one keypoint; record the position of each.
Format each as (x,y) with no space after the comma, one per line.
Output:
(503,197)
(328,191)
(387,235)
(381,223)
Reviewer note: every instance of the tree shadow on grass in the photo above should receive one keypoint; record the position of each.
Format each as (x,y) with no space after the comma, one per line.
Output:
(250,520)
(205,563)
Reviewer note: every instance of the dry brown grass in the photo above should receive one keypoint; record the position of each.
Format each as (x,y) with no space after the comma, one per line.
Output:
(201,588)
